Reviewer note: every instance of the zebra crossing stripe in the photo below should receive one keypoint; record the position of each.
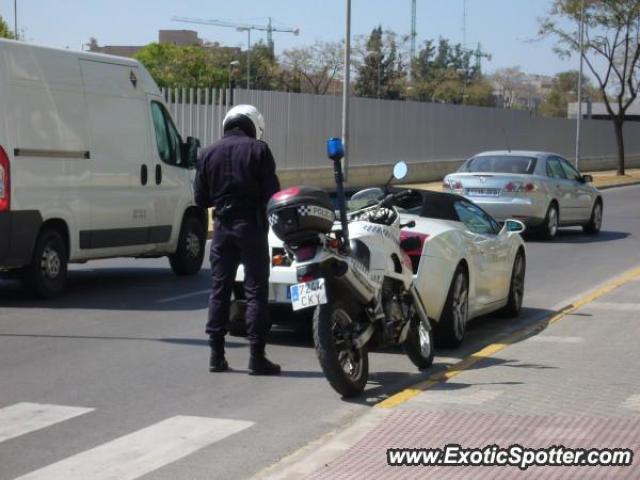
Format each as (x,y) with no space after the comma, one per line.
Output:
(22,418)
(143,451)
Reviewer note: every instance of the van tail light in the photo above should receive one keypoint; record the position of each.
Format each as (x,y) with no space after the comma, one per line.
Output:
(5,181)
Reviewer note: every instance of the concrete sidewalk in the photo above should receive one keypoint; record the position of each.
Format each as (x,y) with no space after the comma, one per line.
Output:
(575,384)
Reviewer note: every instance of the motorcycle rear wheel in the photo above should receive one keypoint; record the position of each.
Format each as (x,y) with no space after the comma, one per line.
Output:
(345,367)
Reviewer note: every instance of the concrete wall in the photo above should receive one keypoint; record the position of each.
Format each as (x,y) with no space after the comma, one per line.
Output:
(433,138)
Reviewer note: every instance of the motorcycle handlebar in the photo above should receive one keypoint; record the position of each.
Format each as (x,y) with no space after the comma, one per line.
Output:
(394,197)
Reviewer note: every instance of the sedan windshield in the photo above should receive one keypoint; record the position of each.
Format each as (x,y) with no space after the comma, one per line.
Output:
(500,164)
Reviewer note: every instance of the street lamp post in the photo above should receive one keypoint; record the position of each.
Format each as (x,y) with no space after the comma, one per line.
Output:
(248,30)
(579,119)
(15,18)
(346,87)
(231,64)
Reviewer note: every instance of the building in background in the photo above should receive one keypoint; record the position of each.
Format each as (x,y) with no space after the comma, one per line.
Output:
(183,38)
(598,111)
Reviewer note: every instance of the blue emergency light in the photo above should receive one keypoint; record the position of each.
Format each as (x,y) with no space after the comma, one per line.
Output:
(335,149)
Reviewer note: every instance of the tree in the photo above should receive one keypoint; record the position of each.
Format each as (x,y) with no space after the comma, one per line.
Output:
(611,51)
(564,91)
(381,71)
(444,73)
(5,31)
(512,85)
(181,66)
(314,68)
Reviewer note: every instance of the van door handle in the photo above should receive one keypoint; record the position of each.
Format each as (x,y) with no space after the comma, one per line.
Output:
(144,175)
(158,174)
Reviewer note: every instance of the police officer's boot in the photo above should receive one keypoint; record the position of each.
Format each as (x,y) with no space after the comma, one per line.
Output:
(217,363)
(259,364)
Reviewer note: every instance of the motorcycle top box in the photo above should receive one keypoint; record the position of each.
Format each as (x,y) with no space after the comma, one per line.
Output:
(298,213)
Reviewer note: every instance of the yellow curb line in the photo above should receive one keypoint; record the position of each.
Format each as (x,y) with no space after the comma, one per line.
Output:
(490,350)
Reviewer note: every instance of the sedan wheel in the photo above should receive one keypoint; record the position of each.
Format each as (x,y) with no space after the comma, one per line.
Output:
(451,329)
(550,228)
(595,223)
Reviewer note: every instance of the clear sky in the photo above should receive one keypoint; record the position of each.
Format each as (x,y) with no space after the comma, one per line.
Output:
(504,27)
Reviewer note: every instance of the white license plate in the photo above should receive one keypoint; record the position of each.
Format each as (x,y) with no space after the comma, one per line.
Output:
(310,294)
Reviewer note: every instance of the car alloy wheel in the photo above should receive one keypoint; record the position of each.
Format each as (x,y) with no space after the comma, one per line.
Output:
(518,281)
(597,216)
(460,305)
(552,222)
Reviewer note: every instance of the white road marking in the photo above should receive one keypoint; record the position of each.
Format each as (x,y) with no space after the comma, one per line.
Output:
(554,339)
(632,403)
(141,452)
(22,418)
(431,397)
(620,307)
(182,297)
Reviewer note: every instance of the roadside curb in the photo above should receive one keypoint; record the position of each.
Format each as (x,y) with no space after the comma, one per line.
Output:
(324,450)
(608,187)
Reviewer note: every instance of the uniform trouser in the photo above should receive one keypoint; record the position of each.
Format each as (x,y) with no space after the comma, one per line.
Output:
(237,242)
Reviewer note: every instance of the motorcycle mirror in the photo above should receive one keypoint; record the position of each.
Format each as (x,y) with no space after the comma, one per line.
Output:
(400,170)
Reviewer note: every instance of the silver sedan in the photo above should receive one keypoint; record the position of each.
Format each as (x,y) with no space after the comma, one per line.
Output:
(541,189)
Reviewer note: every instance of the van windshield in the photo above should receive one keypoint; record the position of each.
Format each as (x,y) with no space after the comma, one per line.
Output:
(500,164)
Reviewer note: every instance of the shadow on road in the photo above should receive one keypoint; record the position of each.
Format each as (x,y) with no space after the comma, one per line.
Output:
(148,289)
(573,236)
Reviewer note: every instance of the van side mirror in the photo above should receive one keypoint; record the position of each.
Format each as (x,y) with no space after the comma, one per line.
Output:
(190,151)
(587,179)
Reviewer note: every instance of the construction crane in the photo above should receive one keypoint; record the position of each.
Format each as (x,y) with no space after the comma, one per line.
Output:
(243,27)
(413,36)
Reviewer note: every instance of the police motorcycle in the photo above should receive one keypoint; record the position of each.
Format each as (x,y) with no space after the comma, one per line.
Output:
(354,274)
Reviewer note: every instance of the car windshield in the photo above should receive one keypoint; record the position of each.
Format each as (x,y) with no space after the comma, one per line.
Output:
(500,164)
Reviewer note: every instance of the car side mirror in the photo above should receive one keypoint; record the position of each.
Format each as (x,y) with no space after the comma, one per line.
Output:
(514,226)
(190,151)
(587,179)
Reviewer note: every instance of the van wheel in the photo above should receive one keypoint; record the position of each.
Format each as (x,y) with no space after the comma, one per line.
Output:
(190,252)
(47,274)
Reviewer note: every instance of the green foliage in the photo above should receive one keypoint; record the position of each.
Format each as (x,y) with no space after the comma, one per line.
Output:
(564,91)
(381,73)
(444,73)
(178,66)
(5,31)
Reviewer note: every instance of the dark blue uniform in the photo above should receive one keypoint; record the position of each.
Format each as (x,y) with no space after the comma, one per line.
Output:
(237,176)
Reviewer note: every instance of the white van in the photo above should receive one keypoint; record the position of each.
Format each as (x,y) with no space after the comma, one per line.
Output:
(91,166)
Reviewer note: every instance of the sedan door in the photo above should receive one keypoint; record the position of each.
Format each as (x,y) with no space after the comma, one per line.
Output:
(562,189)
(581,193)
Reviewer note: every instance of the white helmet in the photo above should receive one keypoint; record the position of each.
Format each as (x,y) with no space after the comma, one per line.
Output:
(247,118)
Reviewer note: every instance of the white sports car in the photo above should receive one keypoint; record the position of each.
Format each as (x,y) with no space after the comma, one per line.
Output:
(467,265)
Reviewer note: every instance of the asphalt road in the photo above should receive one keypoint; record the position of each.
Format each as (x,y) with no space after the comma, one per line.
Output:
(125,347)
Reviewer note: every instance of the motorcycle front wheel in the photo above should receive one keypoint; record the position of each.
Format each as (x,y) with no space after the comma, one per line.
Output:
(345,367)
(419,344)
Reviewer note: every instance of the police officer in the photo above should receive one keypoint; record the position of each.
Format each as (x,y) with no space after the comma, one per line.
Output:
(237,177)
